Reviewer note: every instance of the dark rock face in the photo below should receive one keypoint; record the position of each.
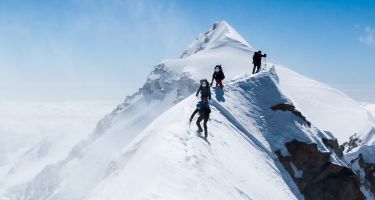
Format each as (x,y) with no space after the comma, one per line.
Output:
(290,108)
(368,172)
(334,145)
(317,177)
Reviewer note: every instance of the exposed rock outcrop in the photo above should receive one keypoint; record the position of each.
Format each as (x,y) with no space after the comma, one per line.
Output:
(366,170)
(334,145)
(289,107)
(316,176)
(354,142)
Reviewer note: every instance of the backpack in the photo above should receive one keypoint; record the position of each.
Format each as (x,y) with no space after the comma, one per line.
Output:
(203,108)
(201,105)
(220,75)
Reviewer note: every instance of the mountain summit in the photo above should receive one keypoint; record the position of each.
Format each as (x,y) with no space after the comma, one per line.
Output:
(220,34)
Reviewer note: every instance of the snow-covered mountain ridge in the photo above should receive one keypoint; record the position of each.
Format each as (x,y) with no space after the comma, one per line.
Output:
(145,148)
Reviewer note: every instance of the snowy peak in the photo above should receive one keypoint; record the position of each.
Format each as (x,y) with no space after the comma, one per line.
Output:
(220,34)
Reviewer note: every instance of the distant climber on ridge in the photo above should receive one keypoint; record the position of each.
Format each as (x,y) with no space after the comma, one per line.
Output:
(204,110)
(218,75)
(257,61)
(205,91)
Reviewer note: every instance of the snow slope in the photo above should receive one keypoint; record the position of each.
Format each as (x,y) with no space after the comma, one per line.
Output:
(328,108)
(144,149)
(230,165)
(168,161)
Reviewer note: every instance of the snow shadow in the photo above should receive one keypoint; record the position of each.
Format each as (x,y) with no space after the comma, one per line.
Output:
(250,137)
(219,94)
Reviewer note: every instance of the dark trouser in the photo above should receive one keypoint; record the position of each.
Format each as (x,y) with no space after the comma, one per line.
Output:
(219,83)
(205,119)
(256,68)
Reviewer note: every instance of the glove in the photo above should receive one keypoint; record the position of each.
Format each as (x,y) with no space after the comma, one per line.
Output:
(265,55)
(196,95)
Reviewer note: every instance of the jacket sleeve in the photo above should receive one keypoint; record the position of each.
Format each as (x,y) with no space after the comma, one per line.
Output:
(199,89)
(192,115)
(253,58)
(209,93)
(213,77)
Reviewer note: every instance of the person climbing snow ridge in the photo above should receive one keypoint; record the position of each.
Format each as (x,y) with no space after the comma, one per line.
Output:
(205,90)
(257,61)
(218,75)
(204,111)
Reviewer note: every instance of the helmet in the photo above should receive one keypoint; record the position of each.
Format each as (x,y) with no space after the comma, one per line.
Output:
(217,68)
(204,81)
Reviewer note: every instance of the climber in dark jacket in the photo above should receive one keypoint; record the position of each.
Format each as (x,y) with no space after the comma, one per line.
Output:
(218,75)
(257,61)
(204,111)
(205,91)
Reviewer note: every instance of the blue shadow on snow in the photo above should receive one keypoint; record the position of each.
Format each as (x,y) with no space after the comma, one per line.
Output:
(219,94)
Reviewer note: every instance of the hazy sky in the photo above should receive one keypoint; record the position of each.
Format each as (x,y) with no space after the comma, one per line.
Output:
(103,49)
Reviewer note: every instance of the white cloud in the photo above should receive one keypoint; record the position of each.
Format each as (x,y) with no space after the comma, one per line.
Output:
(368,37)
(23,124)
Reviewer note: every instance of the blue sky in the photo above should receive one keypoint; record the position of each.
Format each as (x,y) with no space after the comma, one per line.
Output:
(103,50)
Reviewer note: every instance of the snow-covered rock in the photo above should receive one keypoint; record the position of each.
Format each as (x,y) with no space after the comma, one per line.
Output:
(362,162)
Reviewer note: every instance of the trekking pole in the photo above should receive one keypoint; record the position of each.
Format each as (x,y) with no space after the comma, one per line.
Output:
(265,62)
(264,68)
